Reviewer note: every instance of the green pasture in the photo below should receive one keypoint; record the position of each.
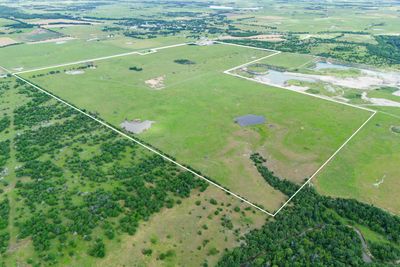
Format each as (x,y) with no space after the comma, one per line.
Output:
(367,169)
(289,60)
(30,56)
(194,114)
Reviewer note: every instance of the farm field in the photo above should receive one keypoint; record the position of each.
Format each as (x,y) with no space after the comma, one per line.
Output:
(188,98)
(368,168)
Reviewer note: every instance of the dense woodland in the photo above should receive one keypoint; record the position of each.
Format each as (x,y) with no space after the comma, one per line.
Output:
(78,182)
(316,230)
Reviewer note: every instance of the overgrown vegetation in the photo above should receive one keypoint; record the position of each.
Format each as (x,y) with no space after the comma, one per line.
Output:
(385,52)
(67,196)
(317,230)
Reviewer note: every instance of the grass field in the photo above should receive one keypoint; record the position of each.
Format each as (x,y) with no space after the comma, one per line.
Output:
(205,226)
(288,60)
(30,56)
(194,115)
(192,231)
(368,168)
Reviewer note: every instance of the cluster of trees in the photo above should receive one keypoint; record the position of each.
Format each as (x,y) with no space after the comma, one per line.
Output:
(4,221)
(4,123)
(70,195)
(150,28)
(385,52)
(316,230)
(184,62)
(4,153)
(135,68)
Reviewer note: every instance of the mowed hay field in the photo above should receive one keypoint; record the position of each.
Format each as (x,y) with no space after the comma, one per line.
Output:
(194,110)
(367,169)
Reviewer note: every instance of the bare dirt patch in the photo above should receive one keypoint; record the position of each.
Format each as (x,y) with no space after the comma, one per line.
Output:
(379,101)
(137,126)
(59,22)
(61,40)
(5,41)
(156,83)
(74,72)
(261,37)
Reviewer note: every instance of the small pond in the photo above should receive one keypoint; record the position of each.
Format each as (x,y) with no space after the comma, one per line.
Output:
(250,119)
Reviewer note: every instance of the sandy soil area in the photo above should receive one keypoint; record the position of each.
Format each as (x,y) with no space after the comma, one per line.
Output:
(55,40)
(380,101)
(4,41)
(74,72)
(156,83)
(262,37)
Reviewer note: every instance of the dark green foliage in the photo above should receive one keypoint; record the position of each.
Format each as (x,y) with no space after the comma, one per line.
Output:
(184,62)
(136,68)
(4,240)
(285,186)
(4,123)
(147,251)
(4,153)
(309,231)
(70,194)
(385,251)
(388,47)
(98,249)
(4,212)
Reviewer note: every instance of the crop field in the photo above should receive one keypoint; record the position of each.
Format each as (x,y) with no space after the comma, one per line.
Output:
(184,99)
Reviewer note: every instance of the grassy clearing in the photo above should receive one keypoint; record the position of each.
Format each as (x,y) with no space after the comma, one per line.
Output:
(367,168)
(192,232)
(198,101)
(289,60)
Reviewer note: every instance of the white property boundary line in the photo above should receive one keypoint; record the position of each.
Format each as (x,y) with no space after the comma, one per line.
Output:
(326,162)
(138,142)
(150,51)
(153,50)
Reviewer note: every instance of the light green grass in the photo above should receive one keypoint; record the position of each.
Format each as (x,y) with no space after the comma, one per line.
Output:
(289,60)
(30,56)
(372,156)
(195,113)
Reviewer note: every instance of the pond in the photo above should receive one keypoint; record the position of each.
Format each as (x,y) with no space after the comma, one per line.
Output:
(250,119)
(281,78)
